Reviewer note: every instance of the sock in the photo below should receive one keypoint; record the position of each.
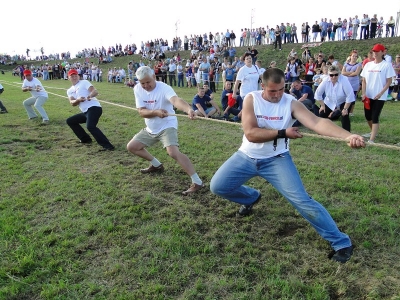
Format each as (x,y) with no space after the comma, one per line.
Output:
(196,179)
(155,162)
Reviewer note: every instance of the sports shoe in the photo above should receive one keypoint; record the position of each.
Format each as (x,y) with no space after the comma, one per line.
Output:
(370,142)
(45,122)
(107,149)
(245,210)
(194,187)
(152,169)
(342,255)
(3,111)
(366,135)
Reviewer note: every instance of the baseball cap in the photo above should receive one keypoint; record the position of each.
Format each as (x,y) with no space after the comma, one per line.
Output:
(27,72)
(378,47)
(72,72)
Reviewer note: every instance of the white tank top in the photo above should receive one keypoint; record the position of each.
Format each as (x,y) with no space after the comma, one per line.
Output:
(269,115)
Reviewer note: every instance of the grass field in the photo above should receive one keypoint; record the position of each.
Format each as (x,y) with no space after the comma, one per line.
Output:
(79,224)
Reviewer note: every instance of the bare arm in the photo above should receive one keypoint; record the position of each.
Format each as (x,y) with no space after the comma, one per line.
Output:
(235,89)
(324,126)
(182,105)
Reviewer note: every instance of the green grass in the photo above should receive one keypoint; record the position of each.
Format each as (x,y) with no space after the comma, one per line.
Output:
(78,224)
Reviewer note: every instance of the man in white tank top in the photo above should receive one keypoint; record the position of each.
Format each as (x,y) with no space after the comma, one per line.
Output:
(267,119)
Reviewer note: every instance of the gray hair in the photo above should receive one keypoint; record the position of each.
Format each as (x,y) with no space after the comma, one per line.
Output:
(143,72)
(333,69)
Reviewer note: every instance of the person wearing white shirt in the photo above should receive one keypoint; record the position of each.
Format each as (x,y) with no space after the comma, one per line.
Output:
(38,97)
(376,78)
(339,97)
(155,101)
(83,94)
(171,72)
(387,57)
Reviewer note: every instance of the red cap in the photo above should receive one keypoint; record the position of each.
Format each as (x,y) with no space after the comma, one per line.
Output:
(378,47)
(27,72)
(72,72)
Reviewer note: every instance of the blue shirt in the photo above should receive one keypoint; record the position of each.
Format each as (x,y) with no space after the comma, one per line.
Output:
(201,101)
(305,89)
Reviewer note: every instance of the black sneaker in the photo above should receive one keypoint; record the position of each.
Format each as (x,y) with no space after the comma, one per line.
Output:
(107,149)
(245,210)
(341,255)
(3,111)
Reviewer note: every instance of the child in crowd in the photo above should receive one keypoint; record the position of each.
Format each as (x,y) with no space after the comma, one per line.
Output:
(317,78)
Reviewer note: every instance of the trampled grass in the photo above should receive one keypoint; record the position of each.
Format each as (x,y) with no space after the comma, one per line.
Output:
(78,224)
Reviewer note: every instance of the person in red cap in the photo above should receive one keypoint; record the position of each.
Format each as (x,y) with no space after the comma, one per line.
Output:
(83,94)
(39,96)
(376,79)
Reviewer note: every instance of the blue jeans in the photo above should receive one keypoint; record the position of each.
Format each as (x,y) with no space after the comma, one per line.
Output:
(180,80)
(281,173)
(91,118)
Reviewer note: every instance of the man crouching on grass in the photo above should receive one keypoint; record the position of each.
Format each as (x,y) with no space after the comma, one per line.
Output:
(267,119)
(155,101)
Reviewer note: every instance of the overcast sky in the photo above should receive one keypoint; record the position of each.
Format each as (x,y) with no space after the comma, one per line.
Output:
(73,25)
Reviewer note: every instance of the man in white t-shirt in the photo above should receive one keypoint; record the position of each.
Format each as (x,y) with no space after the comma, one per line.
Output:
(376,79)
(38,97)
(155,101)
(83,94)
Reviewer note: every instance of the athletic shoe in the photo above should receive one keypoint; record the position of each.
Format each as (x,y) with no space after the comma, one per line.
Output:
(342,255)
(367,135)
(245,210)
(152,169)
(194,187)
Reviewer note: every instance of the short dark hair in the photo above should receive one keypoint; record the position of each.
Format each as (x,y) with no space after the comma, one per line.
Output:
(274,75)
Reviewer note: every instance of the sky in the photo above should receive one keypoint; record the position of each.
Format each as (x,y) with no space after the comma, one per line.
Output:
(74,25)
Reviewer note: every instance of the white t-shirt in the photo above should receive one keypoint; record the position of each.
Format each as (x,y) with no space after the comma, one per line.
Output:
(159,98)
(81,89)
(249,78)
(34,83)
(375,76)
(269,115)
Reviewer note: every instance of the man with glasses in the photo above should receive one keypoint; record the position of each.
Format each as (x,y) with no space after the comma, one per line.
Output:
(267,119)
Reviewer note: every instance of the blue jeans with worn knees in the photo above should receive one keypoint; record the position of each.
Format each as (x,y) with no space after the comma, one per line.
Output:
(91,118)
(280,171)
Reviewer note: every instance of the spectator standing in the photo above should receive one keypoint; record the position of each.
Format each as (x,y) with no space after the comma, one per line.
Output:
(352,70)
(356,24)
(247,77)
(376,78)
(172,72)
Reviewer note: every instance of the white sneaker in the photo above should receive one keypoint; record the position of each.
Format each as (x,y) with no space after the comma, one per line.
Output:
(367,135)
(371,142)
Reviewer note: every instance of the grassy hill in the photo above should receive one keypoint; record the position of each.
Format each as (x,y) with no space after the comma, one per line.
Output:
(76,223)
(340,50)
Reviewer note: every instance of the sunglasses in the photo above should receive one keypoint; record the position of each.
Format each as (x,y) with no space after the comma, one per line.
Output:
(333,75)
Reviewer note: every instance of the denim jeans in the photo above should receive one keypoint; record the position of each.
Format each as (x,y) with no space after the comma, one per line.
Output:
(281,173)
(91,118)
